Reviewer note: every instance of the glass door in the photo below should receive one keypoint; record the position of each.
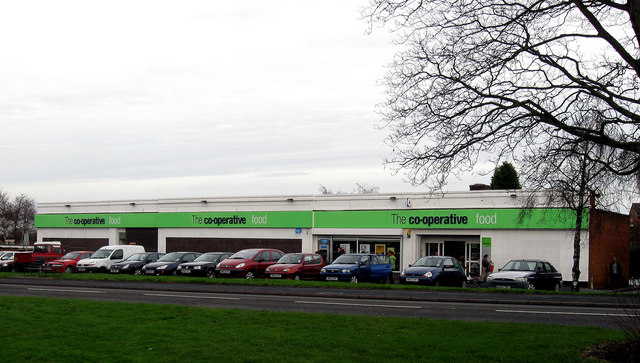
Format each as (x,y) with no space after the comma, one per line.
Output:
(472,259)
(434,249)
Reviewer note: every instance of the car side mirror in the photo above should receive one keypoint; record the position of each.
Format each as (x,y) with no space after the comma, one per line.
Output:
(411,265)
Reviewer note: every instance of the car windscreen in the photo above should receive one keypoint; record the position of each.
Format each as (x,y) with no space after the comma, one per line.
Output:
(170,257)
(291,258)
(70,256)
(244,255)
(136,257)
(208,257)
(520,266)
(348,259)
(428,262)
(101,254)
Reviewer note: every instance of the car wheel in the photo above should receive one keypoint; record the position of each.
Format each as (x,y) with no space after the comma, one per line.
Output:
(297,277)
(531,287)
(250,275)
(138,272)
(436,283)
(558,286)
(68,270)
(354,279)
(103,270)
(463,285)
(211,274)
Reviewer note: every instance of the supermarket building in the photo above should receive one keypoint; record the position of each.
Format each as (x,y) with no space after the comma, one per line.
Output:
(465,225)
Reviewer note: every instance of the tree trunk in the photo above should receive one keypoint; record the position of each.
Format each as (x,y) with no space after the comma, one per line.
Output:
(575,271)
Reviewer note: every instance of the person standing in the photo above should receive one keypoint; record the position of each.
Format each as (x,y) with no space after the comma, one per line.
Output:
(485,268)
(615,273)
(392,261)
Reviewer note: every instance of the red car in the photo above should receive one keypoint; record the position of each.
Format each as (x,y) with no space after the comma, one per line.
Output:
(248,263)
(66,263)
(297,266)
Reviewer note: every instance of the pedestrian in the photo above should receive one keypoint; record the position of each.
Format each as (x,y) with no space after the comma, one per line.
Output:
(340,252)
(615,273)
(392,260)
(485,268)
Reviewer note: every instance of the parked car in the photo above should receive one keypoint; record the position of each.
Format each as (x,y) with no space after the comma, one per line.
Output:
(205,265)
(106,256)
(7,262)
(357,267)
(168,264)
(526,274)
(436,271)
(248,263)
(66,263)
(133,264)
(297,266)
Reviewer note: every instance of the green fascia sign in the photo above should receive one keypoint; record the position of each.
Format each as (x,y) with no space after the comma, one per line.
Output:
(277,219)
(415,219)
(450,219)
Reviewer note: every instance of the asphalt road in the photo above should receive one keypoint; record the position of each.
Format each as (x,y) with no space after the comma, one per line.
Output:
(579,310)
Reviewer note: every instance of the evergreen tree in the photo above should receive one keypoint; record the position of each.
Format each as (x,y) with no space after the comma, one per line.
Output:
(505,177)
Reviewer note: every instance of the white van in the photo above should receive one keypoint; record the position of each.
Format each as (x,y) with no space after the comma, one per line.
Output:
(106,256)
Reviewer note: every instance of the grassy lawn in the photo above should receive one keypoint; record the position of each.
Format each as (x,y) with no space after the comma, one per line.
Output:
(54,330)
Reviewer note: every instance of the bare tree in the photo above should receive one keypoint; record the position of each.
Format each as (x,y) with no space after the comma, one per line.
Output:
(489,77)
(570,179)
(360,189)
(5,207)
(22,215)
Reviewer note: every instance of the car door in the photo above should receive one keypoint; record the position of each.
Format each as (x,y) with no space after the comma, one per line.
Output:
(262,261)
(448,272)
(364,268)
(380,268)
(542,276)
(307,270)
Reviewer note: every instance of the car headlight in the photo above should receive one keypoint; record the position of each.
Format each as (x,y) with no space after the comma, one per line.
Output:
(241,265)
(197,267)
(490,277)
(521,279)
(161,267)
(323,270)
(92,263)
(345,270)
(402,273)
(428,274)
(286,270)
(125,266)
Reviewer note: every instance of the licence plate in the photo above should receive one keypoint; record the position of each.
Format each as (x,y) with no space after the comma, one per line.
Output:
(276,276)
(185,271)
(149,272)
(503,286)
(412,279)
(225,271)
(331,278)
(81,269)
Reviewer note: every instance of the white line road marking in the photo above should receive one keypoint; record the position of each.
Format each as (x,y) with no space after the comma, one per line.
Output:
(195,296)
(558,313)
(65,290)
(367,305)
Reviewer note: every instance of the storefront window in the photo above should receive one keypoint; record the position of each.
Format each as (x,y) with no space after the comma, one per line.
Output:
(379,246)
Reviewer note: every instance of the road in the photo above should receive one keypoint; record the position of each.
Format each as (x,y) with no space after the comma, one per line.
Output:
(600,311)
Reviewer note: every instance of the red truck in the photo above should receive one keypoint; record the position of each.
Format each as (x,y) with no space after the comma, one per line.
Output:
(42,252)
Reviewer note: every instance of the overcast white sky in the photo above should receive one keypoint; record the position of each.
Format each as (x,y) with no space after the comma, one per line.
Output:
(138,99)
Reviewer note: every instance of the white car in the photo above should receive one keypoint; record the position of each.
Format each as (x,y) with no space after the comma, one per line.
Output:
(106,256)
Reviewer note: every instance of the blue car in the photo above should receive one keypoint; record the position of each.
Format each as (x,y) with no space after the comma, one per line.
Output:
(357,267)
(435,271)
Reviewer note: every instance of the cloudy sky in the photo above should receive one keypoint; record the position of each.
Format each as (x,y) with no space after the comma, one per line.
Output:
(136,99)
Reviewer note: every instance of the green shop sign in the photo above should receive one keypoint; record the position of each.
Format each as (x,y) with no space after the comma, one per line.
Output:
(416,219)
(449,219)
(281,219)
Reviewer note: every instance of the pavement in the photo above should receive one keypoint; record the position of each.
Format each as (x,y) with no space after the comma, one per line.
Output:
(586,298)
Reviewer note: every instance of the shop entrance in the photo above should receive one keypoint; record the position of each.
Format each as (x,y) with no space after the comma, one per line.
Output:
(467,252)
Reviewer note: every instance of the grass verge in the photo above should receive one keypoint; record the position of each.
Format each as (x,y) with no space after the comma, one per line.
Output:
(53,330)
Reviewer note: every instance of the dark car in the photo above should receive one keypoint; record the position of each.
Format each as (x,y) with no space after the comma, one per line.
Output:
(168,264)
(7,262)
(66,263)
(357,267)
(296,266)
(526,274)
(205,265)
(248,263)
(133,264)
(435,271)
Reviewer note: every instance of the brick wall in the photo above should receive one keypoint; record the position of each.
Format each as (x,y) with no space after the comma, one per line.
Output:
(609,236)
